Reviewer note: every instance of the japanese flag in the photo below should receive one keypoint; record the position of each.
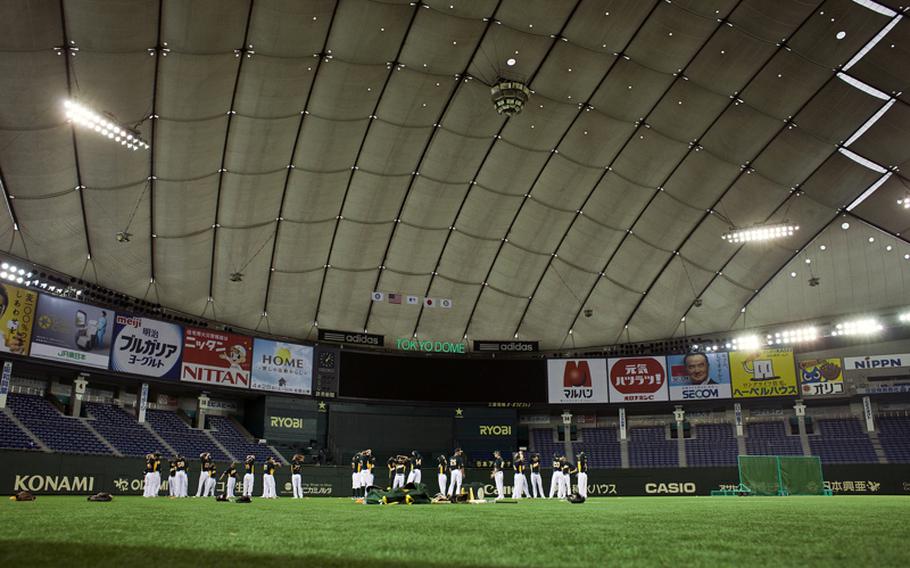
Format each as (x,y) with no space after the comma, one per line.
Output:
(378,296)
(414,300)
(445,303)
(429,303)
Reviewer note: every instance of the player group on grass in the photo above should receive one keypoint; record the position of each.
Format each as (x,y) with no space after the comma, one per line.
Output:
(450,474)
(208,475)
(402,469)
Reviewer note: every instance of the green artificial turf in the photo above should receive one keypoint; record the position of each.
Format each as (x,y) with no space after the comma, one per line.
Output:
(642,531)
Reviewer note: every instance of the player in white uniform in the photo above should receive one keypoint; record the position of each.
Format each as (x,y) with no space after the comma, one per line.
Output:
(581,466)
(536,481)
(249,479)
(203,474)
(401,465)
(498,474)
(520,481)
(456,467)
(416,462)
(555,481)
(230,478)
(442,467)
(296,479)
(268,478)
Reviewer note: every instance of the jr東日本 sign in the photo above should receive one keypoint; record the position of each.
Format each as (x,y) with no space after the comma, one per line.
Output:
(821,377)
(638,379)
(217,358)
(699,376)
(72,332)
(765,372)
(17,312)
(146,347)
(282,367)
(577,381)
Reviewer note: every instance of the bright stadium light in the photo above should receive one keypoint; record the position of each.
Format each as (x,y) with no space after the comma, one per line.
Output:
(745,343)
(788,336)
(904,317)
(81,115)
(866,326)
(759,233)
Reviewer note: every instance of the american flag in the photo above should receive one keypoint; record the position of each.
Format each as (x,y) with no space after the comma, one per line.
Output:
(394,298)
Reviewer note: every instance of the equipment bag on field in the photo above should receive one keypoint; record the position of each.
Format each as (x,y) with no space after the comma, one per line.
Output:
(410,494)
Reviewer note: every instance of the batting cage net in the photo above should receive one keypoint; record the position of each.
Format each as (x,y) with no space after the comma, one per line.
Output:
(781,475)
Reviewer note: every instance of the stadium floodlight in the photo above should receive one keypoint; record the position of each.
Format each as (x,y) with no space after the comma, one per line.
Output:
(745,343)
(759,233)
(905,202)
(868,326)
(788,336)
(904,317)
(83,116)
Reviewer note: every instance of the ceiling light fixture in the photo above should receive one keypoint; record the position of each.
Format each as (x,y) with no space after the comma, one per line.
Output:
(866,326)
(745,343)
(91,120)
(759,233)
(509,97)
(799,335)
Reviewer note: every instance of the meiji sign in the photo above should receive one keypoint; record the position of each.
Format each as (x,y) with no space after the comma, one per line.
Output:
(638,379)
(577,381)
(875,362)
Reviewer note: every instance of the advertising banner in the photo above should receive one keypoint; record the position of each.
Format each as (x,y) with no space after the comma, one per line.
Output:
(506,346)
(821,377)
(638,379)
(72,332)
(282,367)
(577,381)
(766,372)
(17,312)
(216,358)
(147,347)
(699,376)
(351,337)
(877,362)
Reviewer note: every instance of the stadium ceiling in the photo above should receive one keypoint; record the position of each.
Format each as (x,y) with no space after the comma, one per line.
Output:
(324,150)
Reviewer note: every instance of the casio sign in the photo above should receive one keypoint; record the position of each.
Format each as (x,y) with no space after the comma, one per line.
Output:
(669,488)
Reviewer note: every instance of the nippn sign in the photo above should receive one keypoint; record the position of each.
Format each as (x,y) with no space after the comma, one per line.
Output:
(577,381)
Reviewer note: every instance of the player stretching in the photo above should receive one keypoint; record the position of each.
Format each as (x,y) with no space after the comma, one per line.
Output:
(456,465)
(536,481)
(401,465)
(268,478)
(581,466)
(249,479)
(557,474)
(519,482)
(230,477)
(416,462)
(296,461)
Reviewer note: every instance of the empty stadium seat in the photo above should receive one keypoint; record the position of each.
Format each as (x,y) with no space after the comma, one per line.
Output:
(58,432)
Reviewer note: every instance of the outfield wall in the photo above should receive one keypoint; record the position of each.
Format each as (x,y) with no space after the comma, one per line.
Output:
(43,474)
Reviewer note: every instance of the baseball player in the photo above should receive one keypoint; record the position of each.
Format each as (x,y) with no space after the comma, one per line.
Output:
(249,479)
(230,477)
(172,478)
(519,482)
(355,476)
(456,467)
(416,462)
(401,466)
(371,463)
(210,482)
(203,474)
(268,478)
(498,474)
(150,466)
(565,480)
(442,467)
(156,477)
(581,466)
(180,478)
(536,481)
(391,465)
(296,462)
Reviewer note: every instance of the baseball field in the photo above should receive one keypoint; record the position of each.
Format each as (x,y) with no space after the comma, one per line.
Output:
(631,531)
